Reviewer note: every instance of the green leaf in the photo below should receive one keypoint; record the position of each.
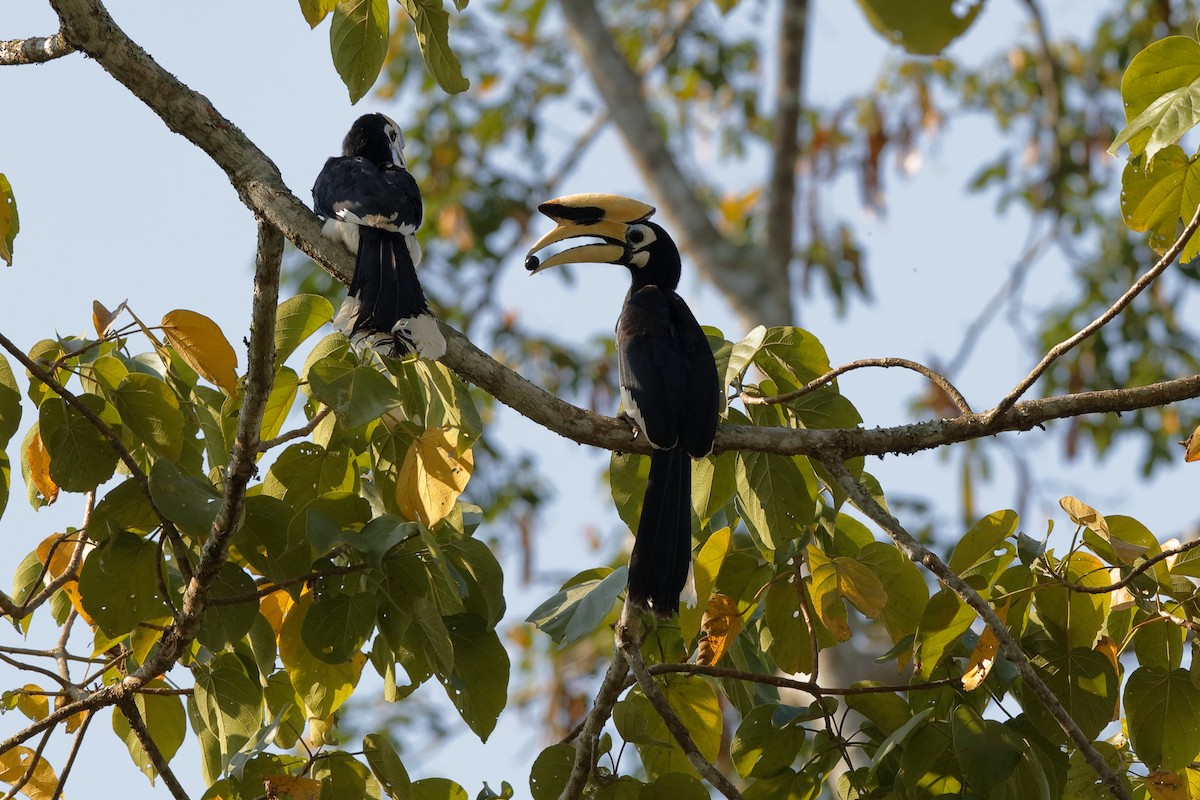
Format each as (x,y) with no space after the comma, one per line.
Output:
(791,357)
(1084,681)
(907,592)
(694,702)
(279,403)
(476,566)
(10,224)
(1163,712)
(1161,92)
(432,24)
(743,353)
(627,475)
(357,395)
(987,752)
(1160,197)
(980,542)
(886,710)
(314,12)
(713,484)
(151,411)
(1075,617)
(386,764)
(5,480)
(323,687)
(336,627)
(165,720)
(945,619)
(269,543)
(80,457)
(124,508)
(926,29)
(438,789)
(10,403)
(762,748)
(358,39)
(190,502)
(478,685)
(229,702)
(775,498)
(784,634)
(551,770)
(304,471)
(118,584)
(342,777)
(579,608)
(222,625)
(299,317)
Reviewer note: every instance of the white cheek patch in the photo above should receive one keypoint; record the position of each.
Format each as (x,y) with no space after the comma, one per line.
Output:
(640,260)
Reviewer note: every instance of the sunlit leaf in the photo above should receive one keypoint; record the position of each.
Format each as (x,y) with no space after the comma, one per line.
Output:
(1163,712)
(925,29)
(358,38)
(721,625)
(945,619)
(580,607)
(80,457)
(14,763)
(10,403)
(478,684)
(432,24)
(201,344)
(37,462)
(1161,93)
(102,318)
(1160,197)
(151,410)
(9,221)
(433,475)
(316,10)
(705,567)
(164,719)
(299,317)
(765,745)
(386,765)
(323,687)
(984,654)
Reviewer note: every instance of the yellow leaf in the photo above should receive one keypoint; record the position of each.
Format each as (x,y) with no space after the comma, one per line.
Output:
(984,655)
(826,597)
(704,573)
(1108,648)
(274,607)
(9,221)
(432,476)
(1192,447)
(32,703)
(55,552)
(73,721)
(102,318)
(721,625)
(38,458)
(1163,785)
(295,787)
(201,344)
(862,587)
(1083,514)
(42,781)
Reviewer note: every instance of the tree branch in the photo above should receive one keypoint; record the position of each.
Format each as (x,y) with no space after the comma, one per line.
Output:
(128,707)
(938,379)
(921,555)
(1099,322)
(753,293)
(28,773)
(585,752)
(35,50)
(299,433)
(76,743)
(785,143)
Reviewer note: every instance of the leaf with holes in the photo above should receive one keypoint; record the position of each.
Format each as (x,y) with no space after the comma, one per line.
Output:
(434,473)
(10,223)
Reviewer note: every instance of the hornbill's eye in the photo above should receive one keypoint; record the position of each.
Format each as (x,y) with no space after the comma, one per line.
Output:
(636,236)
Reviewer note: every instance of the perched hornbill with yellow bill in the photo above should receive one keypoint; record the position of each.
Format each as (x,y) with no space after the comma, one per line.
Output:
(668,378)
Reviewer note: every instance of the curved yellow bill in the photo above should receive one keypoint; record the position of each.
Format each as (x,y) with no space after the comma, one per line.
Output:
(595,215)
(585,253)
(604,229)
(596,206)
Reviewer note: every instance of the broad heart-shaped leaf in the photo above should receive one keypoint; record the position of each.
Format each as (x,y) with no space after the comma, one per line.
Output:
(925,29)
(10,403)
(783,633)
(1163,712)
(551,770)
(980,542)
(9,222)
(301,316)
(1161,197)
(987,752)
(304,471)
(434,473)
(386,765)
(776,495)
(432,24)
(165,720)
(223,625)
(201,344)
(14,764)
(1161,93)
(357,395)
(118,584)
(187,500)
(579,608)
(907,592)
(944,620)
(358,39)
(842,578)
(478,684)
(151,411)
(1075,617)
(229,702)
(322,687)
(695,703)
(1086,683)
(627,474)
(123,508)
(342,777)
(761,747)
(315,11)
(80,457)
(336,627)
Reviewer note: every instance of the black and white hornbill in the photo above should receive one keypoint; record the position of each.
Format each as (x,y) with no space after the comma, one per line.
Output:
(372,205)
(668,377)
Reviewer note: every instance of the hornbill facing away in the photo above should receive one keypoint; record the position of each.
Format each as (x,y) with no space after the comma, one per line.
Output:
(668,377)
(373,206)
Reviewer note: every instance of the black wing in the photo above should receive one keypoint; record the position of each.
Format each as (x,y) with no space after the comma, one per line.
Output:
(651,364)
(701,384)
(352,189)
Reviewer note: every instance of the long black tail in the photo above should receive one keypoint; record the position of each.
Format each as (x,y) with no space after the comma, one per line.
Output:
(662,549)
(385,288)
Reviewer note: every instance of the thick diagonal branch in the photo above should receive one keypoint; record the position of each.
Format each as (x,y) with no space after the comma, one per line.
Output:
(753,292)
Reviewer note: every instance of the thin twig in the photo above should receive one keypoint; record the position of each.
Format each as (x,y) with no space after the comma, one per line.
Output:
(271,588)
(939,380)
(76,743)
(128,707)
(1099,322)
(33,763)
(585,752)
(299,433)
(1134,572)
(791,683)
(921,555)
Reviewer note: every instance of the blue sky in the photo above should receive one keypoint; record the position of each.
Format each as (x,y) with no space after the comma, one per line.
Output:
(116,207)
